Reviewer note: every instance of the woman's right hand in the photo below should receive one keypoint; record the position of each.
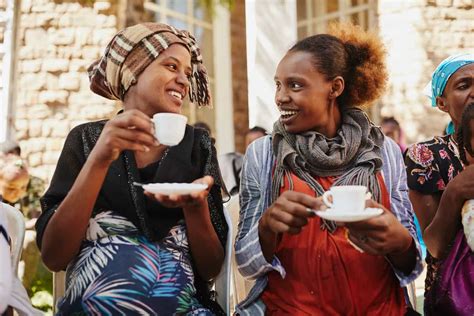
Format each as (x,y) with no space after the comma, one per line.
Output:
(130,130)
(290,213)
(463,184)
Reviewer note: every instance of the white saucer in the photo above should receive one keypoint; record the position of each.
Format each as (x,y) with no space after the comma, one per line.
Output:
(336,216)
(174,188)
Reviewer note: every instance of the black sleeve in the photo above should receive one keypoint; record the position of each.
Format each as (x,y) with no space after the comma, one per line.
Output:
(69,165)
(214,199)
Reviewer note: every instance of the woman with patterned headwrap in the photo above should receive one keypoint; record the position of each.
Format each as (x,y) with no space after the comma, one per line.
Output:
(438,190)
(126,252)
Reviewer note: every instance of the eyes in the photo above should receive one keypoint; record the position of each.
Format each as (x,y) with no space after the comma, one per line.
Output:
(174,67)
(293,85)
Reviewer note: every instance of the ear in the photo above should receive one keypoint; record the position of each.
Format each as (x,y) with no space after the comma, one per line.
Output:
(337,87)
(442,104)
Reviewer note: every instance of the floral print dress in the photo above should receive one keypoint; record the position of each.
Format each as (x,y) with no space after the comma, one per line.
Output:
(430,166)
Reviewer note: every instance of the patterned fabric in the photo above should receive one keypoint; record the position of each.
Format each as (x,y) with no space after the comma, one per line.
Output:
(136,47)
(444,71)
(440,77)
(118,270)
(255,198)
(354,155)
(430,166)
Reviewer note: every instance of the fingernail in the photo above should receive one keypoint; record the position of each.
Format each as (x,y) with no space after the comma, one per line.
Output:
(145,148)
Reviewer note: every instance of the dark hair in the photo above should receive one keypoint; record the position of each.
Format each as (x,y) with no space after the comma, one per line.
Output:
(390,120)
(355,55)
(257,129)
(465,134)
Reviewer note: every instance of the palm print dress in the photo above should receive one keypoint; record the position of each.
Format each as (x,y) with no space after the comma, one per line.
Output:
(135,259)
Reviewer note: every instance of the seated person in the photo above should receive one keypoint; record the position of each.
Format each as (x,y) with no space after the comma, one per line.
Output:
(12,293)
(125,251)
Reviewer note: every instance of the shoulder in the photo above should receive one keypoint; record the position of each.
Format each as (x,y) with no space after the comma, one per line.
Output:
(425,153)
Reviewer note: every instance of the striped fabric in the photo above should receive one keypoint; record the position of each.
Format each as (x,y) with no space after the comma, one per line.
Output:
(255,197)
(136,47)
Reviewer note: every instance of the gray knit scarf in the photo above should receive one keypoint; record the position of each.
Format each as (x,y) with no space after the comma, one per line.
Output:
(354,155)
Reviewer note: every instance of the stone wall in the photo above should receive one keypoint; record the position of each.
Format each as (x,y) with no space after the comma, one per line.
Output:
(3,8)
(419,34)
(58,40)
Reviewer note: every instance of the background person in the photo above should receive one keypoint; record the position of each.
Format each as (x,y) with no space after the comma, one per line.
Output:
(438,188)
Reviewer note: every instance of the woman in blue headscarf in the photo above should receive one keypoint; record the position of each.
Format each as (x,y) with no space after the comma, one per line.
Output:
(439,184)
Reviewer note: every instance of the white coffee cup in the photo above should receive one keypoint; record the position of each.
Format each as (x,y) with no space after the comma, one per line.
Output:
(346,198)
(169,128)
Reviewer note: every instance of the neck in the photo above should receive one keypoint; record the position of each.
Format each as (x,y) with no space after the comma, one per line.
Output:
(334,121)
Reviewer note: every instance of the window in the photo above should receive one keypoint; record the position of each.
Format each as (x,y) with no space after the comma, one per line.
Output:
(314,16)
(191,16)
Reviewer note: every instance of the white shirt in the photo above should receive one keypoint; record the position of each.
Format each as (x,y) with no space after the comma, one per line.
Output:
(12,292)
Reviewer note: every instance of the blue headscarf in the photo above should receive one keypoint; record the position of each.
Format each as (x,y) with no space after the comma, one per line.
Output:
(441,76)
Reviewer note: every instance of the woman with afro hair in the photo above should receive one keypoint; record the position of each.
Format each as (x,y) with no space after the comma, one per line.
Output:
(304,264)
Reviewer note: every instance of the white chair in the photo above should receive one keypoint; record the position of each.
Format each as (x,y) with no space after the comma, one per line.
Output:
(223,280)
(16,231)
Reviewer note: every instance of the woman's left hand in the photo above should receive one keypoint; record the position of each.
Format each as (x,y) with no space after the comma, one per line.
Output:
(186,201)
(381,235)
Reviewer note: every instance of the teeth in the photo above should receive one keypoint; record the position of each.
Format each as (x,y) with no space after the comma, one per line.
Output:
(286,113)
(176,94)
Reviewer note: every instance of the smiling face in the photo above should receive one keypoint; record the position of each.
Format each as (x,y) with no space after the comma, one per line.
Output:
(305,98)
(164,84)
(459,92)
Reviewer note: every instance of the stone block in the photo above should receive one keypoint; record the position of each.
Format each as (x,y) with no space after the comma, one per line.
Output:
(37,38)
(42,7)
(74,7)
(79,65)
(46,20)
(54,144)
(33,81)
(34,128)
(101,6)
(52,82)
(55,65)
(91,52)
(30,66)
(65,20)
(35,159)
(63,36)
(103,36)
(444,3)
(83,35)
(26,6)
(53,97)
(61,8)
(60,129)
(39,112)
(69,81)
(51,157)
(21,125)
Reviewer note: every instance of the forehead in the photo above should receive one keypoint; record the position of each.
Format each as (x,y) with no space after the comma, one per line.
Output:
(464,71)
(179,52)
(297,63)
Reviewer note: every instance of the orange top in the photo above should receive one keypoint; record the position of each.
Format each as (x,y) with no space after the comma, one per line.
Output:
(325,275)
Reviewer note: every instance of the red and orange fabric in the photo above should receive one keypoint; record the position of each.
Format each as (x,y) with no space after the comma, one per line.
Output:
(326,275)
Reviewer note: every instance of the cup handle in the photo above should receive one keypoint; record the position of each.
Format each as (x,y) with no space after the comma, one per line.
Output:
(368,196)
(326,200)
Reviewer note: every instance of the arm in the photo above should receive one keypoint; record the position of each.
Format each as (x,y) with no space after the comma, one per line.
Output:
(203,213)
(440,215)
(66,228)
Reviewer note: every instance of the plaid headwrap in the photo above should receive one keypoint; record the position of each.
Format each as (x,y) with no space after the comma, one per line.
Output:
(133,49)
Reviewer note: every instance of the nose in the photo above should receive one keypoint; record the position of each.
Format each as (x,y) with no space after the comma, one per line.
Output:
(183,79)
(281,97)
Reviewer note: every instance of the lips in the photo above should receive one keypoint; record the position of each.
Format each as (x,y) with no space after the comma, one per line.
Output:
(288,115)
